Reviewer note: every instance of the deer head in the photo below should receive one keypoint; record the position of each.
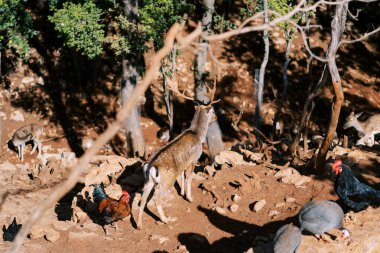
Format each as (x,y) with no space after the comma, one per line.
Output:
(352,120)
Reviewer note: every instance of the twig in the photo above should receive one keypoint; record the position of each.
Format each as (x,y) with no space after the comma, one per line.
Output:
(365,36)
(83,163)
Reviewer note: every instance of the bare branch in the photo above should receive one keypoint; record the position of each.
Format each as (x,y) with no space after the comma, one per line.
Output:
(365,36)
(83,163)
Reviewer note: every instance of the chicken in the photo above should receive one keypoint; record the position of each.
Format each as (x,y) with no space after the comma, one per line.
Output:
(10,233)
(354,194)
(318,217)
(287,239)
(111,209)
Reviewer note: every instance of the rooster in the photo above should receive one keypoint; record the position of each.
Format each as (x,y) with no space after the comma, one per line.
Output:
(10,233)
(111,209)
(354,194)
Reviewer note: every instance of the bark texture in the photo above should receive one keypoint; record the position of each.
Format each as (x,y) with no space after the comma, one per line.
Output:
(214,134)
(337,28)
(134,138)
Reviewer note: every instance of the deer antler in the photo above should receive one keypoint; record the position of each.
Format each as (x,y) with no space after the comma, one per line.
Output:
(173,86)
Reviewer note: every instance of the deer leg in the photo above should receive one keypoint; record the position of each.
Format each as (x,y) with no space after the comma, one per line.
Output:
(189,177)
(34,147)
(146,191)
(158,201)
(39,145)
(183,183)
(21,152)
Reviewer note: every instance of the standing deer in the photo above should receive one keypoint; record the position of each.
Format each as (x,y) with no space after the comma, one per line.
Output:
(366,129)
(177,158)
(25,134)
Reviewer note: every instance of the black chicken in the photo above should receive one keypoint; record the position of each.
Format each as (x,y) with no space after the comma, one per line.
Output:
(354,194)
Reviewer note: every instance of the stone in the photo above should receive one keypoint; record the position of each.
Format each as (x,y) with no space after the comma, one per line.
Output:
(62,225)
(273,213)
(235,198)
(230,157)
(51,235)
(278,205)
(210,170)
(36,232)
(161,239)
(219,210)
(290,200)
(81,235)
(27,80)
(259,205)
(233,208)
(17,116)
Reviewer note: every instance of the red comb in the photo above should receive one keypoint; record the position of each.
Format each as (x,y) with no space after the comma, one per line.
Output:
(337,167)
(125,193)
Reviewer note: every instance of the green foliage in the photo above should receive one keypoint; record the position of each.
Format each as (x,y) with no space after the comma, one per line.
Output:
(80,27)
(157,16)
(220,24)
(282,7)
(15,27)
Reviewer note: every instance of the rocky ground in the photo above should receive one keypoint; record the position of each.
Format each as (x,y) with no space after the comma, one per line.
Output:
(240,200)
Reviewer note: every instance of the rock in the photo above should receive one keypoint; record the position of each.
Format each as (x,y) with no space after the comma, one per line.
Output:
(233,208)
(290,200)
(40,81)
(114,191)
(51,235)
(219,210)
(17,116)
(3,115)
(291,176)
(36,232)
(235,198)
(210,170)
(81,235)
(182,248)
(273,213)
(27,80)
(259,205)
(278,205)
(230,157)
(62,225)
(161,239)
(87,143)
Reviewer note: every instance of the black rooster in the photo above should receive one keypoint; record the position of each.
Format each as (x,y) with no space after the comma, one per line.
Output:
(354,194)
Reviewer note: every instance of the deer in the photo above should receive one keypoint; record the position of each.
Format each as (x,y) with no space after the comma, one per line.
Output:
(177,159)
(27,133)
(366,129)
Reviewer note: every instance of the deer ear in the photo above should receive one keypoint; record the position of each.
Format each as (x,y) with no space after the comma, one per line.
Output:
(352,113)
(358,115)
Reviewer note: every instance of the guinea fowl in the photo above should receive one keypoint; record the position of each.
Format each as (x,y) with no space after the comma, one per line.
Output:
(287,239)
(354,194)
(318,217)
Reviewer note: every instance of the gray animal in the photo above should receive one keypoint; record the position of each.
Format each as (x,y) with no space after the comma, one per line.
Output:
(287,239)
(318,217)
(25,134)
(366,129)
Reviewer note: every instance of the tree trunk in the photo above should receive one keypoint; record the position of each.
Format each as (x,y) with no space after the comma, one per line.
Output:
(337,28)
(134,138)
(214,134)
(286,84)
(262,70)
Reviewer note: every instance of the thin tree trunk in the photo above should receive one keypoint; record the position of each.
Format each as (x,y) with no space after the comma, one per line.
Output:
(214,134)
(286,85)
(337,28)
(308,109)
(134,138)
(262,69)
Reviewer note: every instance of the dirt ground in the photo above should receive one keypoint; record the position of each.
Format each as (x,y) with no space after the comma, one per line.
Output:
(211,223)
